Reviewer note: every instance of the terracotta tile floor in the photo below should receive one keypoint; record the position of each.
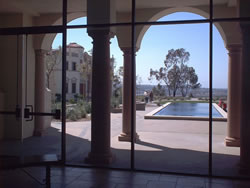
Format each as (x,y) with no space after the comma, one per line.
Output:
(68,177)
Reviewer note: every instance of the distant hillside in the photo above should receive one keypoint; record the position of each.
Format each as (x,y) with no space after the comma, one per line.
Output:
(201,92)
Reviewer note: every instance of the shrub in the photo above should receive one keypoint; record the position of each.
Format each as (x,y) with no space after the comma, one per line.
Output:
(56,105)
(114,102)
(73,113)
(87,107)
(159,103)
(81,110)
(78,111)
(72,101)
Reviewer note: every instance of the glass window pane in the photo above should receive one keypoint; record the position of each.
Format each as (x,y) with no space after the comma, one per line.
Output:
(172,79)
(81,123)
(226,94)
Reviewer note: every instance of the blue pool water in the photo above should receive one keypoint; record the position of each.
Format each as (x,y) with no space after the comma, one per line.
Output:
(188,109)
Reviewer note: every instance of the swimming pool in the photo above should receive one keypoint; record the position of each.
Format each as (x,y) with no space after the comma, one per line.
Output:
(188,111)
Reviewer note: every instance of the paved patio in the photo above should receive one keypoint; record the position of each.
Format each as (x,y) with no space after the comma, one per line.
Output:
(164,145)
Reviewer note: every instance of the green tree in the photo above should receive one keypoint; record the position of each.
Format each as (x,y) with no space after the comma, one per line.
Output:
(176,74)
(52,58)
(116,78)
(86,72)
(189,80)
(158,90)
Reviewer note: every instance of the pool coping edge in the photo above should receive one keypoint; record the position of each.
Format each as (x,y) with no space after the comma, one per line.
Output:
(151,115)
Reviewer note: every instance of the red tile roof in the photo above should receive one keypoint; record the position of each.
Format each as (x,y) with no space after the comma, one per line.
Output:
(74,45)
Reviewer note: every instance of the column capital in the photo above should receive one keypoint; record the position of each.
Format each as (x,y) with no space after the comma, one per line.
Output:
(94,33)
(234,48)
(40,52)
(128,50)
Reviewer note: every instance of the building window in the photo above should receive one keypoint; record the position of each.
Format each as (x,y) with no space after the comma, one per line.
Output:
(67,65)
(82,89)
(74,54)
(73,87)
(80,61)
(73,66)
(67,87)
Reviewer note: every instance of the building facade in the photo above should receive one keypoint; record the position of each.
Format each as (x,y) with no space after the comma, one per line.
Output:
(78,72)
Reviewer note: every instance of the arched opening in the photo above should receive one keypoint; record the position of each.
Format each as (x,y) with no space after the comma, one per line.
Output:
(154,50)
(203,14)
(78,85)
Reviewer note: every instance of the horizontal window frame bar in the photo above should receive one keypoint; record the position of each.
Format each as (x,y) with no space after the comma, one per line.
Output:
(31,30)
(59,28)
(245,19)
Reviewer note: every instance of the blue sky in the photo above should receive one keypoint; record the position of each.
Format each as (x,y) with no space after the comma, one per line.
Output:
(159,39)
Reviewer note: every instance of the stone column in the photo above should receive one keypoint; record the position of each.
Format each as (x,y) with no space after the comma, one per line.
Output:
(101,92)
(40,90)
(127,96)
(245,98)
(233,115)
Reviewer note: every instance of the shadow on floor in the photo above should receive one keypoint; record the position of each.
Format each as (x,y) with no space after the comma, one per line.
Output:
(161,158)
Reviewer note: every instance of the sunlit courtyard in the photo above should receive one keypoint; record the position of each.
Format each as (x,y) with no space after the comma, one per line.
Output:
(163,145)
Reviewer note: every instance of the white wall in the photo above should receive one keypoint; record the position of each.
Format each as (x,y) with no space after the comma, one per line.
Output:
(8,73)
(28,126)
(16,128)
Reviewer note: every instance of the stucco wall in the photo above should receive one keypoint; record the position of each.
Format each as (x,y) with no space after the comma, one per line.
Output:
(16,128)
(28,126)
(11,20)
(8,80)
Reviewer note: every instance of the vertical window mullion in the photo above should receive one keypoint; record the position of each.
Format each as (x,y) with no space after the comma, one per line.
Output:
(64,44)
(133,72)
(210,85)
